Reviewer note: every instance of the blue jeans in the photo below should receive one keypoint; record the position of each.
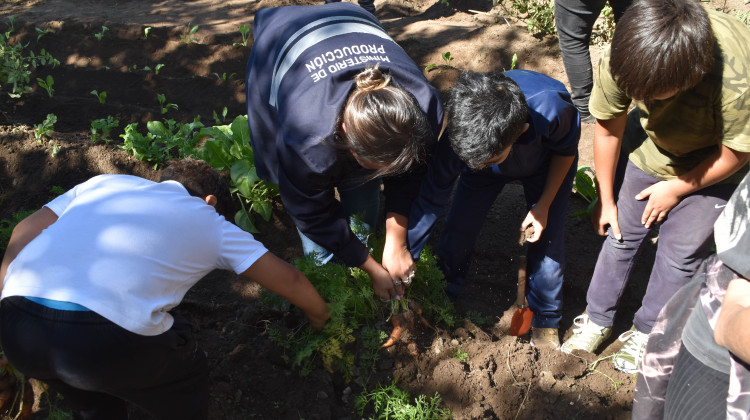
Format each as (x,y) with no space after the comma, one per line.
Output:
(475,194)
(685,240)
(362,200)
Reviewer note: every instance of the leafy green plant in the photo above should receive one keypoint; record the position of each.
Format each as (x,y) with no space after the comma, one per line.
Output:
(585,186)
(539,16)
(146,32)
(165,106)
(42,129)
(354,311)
(220,121)
(46,84)
(157,68)
(99,35)
(187,36)
(390,402)
(228,147)
(16,63)
(461,355)
(245,32)
(162,142)
(100,96)
(41,32)
(102,128)
(447,59)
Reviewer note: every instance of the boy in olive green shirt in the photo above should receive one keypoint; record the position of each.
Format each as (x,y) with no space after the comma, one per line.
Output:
(672,162)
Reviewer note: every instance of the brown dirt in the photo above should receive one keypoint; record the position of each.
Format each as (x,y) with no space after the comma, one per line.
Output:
(504,377)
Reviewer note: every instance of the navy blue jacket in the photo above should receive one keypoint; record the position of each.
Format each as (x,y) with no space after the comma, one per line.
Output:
(554,129)
(300,72)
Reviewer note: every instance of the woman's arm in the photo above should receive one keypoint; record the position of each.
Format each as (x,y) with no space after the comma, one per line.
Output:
(396,255)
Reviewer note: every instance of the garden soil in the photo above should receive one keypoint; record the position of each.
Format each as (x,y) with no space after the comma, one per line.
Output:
(503,376)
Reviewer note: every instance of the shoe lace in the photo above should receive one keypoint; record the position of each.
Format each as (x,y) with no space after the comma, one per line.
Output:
(635,343)
(585,332)
(584,326)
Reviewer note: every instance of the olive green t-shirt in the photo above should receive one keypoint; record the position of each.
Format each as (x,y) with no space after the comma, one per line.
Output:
(685,129)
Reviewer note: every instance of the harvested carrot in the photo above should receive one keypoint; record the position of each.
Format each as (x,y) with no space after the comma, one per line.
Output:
(416,309)
(397,321)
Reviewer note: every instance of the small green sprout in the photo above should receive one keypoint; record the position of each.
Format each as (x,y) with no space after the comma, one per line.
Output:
(165,106)
(46,84)
(101,96)
(146,31)
(100,35)
(41,32)
(45,127)
(440,67)
(187,37)
(245,32)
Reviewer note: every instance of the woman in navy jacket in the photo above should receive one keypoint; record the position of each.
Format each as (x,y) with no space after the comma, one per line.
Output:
(334,105)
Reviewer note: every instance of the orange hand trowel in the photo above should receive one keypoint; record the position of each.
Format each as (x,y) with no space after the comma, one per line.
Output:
(521,321)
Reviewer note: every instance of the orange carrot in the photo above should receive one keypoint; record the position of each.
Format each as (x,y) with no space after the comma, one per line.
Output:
(397,321)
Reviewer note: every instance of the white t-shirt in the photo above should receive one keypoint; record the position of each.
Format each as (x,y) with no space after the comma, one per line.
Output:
(129,249)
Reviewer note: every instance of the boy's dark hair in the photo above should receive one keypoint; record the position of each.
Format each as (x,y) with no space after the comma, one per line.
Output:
(487,113)
(660,46)
(200,180)
(384,124)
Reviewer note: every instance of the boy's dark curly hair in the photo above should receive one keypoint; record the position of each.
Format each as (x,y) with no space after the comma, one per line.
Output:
(661,46)
(201,180)
(487,113)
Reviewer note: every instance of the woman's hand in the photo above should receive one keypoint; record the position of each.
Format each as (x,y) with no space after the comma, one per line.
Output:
(382,283)
(399,263)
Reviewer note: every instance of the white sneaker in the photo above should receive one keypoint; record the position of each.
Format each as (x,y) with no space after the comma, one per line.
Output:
(586,335)
(630,356)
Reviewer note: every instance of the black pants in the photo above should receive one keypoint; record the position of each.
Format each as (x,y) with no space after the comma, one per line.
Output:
(99,367)
(695,391)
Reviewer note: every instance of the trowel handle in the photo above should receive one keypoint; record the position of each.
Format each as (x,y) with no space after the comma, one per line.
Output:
(521,298)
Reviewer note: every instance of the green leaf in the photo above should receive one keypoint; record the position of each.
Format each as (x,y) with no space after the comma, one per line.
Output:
(157,128)
(263,208)
(240,130)
(242,219)
(244,176)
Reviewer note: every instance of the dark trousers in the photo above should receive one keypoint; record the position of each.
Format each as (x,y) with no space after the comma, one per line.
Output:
(695,391)
(575,20)
(685,240)
(475,194)
(99,367)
